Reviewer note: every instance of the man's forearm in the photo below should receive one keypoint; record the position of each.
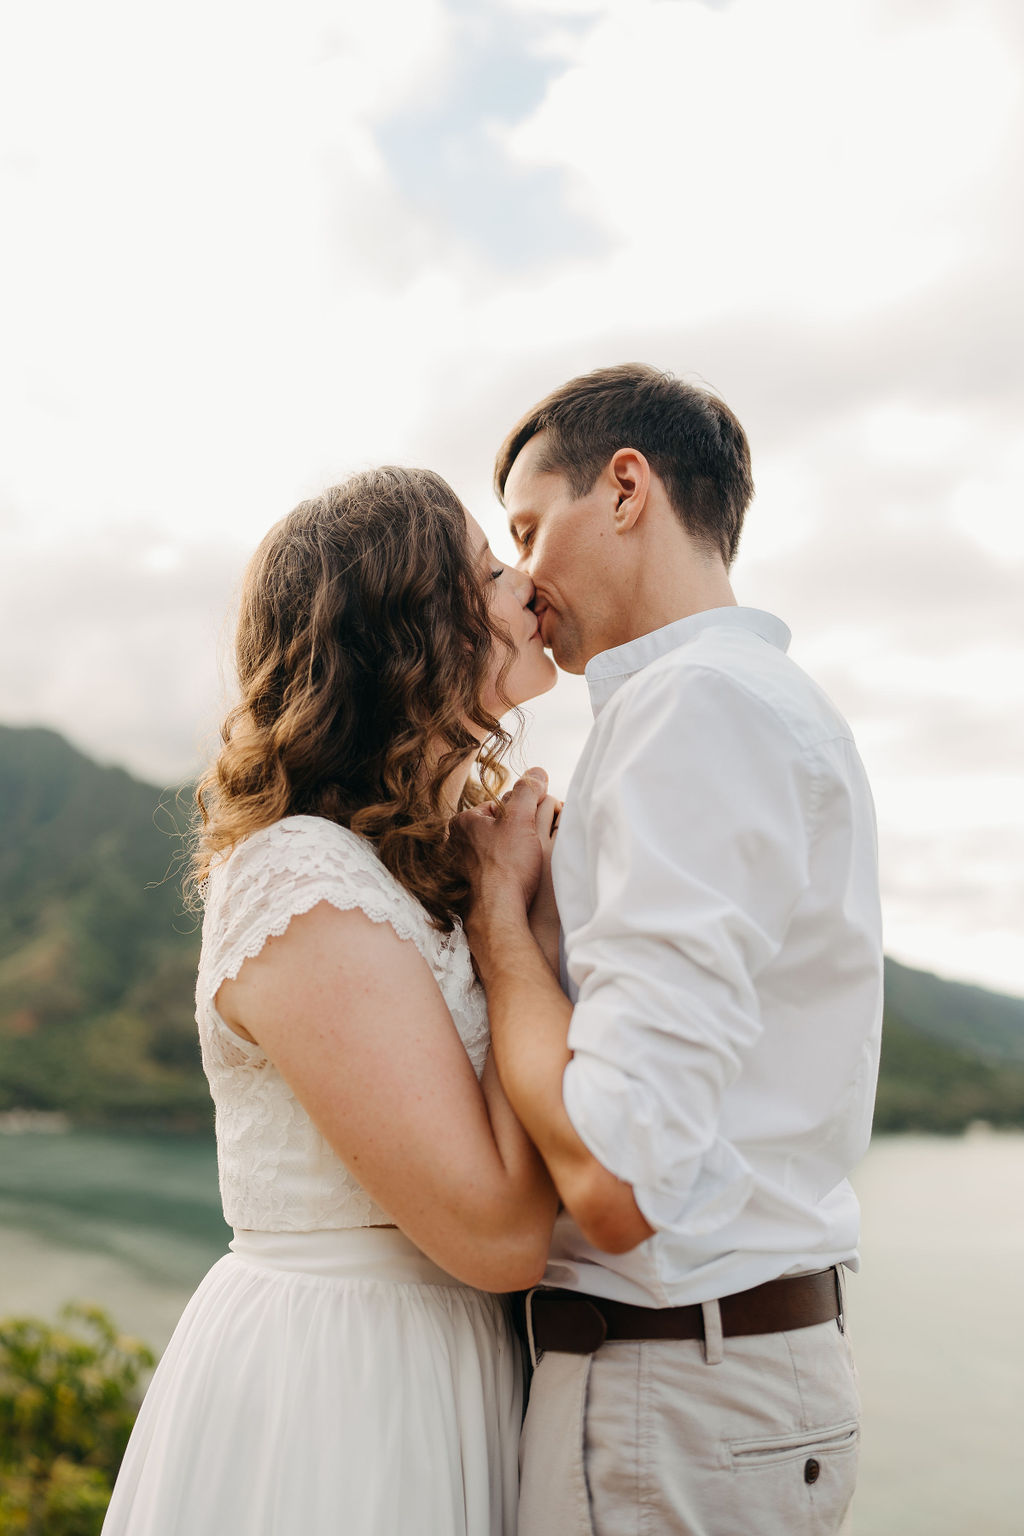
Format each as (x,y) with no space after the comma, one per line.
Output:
(529,1017)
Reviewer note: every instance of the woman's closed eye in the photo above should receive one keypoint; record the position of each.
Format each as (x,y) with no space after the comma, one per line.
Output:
(499,572)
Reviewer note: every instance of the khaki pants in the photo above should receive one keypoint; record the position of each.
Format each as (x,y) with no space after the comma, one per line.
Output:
(741,1437)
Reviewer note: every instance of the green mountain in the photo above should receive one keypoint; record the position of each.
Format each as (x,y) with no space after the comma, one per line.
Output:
(97,969)
(987,1022)
(951,1054)
(97,957)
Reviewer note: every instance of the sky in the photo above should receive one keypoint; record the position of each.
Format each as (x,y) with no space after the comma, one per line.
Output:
(250,248)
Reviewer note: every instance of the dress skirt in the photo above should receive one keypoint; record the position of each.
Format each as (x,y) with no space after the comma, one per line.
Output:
(328,1384)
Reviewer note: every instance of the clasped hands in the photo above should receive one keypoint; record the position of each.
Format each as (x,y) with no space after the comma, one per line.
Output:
(509,852)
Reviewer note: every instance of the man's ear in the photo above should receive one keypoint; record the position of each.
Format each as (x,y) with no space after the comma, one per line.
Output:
(630,475)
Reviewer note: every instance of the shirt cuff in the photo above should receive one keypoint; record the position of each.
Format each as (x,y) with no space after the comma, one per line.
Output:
(678,1187)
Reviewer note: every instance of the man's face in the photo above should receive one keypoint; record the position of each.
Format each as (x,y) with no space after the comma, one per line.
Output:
(566,546)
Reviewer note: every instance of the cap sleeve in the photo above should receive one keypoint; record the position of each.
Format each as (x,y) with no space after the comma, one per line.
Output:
(285,870)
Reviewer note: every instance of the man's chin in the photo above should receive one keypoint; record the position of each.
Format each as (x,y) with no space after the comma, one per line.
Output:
(563,644)
(568,659)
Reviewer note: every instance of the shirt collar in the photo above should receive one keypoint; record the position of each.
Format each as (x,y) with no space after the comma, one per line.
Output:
(607,672)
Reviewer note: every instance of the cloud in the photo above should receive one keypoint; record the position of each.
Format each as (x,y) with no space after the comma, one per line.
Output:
(451,165)
(264,248)
(120,646)
(177,330)
(817,160)
(954,903)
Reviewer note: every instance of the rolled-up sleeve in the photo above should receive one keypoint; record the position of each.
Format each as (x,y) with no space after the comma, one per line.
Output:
(697,804)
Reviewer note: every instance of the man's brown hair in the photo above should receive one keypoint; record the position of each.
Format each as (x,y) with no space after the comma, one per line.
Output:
(690,438)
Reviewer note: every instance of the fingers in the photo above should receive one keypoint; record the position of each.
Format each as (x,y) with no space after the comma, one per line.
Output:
(524,798)
(547,816)
(466,820)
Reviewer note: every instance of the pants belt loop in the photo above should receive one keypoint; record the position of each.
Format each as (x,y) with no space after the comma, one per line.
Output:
(714,1346)
(531,1343)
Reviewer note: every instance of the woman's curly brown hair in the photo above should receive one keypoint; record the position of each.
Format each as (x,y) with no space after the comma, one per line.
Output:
(363,647)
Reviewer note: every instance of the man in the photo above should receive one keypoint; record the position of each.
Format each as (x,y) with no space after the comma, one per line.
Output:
(704,1094)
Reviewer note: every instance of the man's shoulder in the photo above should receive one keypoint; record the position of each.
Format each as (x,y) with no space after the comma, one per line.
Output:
(732,669)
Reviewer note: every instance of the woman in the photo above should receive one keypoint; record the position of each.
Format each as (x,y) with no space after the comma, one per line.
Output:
(343,1369)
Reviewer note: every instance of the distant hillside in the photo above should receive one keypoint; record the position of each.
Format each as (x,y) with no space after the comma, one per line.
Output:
(959,1015)
(925,1085)
(950,1054)
(97,969)
(97,959)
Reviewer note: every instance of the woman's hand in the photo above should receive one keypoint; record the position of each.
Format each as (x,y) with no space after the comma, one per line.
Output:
(502,846)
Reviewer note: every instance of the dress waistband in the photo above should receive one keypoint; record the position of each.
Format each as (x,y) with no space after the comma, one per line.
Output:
(347,1253)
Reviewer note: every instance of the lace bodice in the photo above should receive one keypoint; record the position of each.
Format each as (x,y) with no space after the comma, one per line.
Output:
(277,1172)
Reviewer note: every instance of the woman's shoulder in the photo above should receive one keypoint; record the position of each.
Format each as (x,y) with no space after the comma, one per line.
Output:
(300,844)
(287,868)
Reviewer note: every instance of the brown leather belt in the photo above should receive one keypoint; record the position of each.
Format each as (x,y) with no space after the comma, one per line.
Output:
(575,1324)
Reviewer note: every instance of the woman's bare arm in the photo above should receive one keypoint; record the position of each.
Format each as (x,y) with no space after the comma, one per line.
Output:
(354,1021)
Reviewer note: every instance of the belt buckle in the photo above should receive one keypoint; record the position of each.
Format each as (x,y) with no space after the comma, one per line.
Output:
(581,1329)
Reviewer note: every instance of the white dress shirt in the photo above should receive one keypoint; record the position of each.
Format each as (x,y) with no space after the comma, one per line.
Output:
(716,877)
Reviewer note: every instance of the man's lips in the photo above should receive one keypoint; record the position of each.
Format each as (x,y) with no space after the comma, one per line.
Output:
(541,615)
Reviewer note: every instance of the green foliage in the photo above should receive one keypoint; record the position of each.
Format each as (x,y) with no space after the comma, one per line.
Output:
(68,1399)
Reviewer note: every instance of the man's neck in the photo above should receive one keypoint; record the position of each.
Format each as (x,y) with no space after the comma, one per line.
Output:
(672,595)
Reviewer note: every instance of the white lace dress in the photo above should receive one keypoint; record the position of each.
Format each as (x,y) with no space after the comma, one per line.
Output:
(326,1379)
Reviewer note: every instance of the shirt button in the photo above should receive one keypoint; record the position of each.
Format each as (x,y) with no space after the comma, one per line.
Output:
(812,1470)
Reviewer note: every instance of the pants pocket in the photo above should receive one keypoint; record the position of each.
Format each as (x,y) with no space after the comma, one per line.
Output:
(836,1438)
(806,1478)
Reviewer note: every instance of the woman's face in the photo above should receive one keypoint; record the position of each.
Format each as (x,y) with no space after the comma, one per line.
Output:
(509,594)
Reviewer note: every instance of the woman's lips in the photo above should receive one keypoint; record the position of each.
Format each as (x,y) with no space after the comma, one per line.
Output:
(540,616)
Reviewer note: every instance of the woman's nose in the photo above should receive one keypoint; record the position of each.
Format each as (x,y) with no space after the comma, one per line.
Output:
(525,588)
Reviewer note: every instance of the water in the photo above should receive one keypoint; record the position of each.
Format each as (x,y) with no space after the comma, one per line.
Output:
(130,1222)
(936,1315)
(938,1331)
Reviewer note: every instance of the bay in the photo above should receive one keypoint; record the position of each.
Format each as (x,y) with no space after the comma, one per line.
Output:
(935,1314)
(938,1333)
(129,1222)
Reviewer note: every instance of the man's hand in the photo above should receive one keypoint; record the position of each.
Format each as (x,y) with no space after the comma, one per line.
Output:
(543,915)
